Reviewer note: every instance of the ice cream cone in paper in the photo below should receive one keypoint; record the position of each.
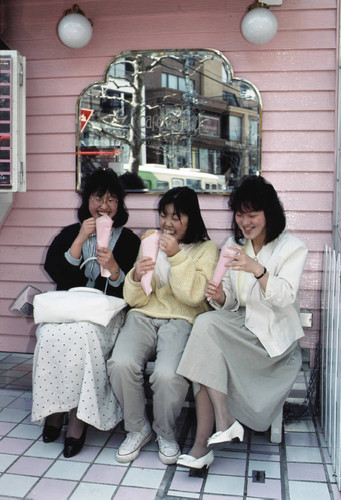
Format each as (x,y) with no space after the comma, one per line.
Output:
(103,230)
(150,248)
(227,255)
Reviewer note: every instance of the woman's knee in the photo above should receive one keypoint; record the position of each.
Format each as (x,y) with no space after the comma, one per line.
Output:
(166,377)
(202,323)
(121,362)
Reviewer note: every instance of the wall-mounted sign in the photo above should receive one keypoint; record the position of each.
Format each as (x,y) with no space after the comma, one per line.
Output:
(85,116)
(12,122)
(209,125)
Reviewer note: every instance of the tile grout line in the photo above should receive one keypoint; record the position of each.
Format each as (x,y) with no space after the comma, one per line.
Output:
(284,467)
(186,418)
(247,463)
(317,433)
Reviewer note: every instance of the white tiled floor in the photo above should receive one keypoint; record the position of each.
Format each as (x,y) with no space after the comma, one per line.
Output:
(297,469)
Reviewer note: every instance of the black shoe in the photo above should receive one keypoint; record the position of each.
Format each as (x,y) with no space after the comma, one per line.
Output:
(73,446)
(52,432)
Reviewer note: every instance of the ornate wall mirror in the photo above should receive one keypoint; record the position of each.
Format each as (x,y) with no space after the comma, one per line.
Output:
(170,118)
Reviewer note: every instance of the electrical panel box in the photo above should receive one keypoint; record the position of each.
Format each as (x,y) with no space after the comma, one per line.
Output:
(12,121)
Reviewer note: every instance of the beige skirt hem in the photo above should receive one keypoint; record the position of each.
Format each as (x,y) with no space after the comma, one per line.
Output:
(223,354)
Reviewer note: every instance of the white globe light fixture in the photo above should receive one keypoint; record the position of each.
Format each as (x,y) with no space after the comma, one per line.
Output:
(74,29)
(259,24)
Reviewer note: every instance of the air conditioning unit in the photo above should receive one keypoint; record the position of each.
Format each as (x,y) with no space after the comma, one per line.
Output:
(12,121)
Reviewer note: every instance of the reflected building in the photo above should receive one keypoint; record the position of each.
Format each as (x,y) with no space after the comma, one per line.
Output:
(181,110)
(215,123)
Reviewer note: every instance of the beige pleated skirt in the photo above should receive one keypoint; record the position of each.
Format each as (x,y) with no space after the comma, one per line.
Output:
(223,354)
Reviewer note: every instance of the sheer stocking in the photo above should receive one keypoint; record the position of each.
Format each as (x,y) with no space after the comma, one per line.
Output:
(55,419)
(76,426)
(205,423)
(223,419)
(211,407)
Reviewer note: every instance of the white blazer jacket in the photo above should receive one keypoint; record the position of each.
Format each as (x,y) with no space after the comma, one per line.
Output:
(274,315)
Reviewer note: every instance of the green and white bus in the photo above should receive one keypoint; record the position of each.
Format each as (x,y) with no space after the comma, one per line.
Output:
(161,178)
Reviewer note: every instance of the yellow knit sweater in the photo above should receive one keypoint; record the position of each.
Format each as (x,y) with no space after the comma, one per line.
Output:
(183,296)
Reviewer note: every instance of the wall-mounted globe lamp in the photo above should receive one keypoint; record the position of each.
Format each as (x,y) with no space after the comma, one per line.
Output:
(74,29)
(259,25)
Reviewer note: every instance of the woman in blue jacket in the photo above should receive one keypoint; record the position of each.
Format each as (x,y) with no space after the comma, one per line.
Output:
(69,364)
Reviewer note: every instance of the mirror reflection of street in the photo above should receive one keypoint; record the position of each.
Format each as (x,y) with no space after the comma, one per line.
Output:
(171,118)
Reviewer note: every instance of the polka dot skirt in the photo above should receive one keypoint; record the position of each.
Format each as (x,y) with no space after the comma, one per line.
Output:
(69,371)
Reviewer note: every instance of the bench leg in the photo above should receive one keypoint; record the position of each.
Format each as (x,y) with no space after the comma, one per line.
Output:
(276,428)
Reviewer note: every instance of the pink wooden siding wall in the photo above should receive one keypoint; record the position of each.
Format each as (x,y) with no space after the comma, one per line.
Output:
(295,74)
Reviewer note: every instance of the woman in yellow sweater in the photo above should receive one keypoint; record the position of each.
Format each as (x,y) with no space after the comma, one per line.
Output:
(159,325)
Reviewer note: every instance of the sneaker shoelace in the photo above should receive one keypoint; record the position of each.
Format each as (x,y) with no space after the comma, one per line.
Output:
(166,445)
(133,437)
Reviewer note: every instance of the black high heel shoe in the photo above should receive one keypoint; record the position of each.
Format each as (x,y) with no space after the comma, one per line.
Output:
(52,432)
(72,446)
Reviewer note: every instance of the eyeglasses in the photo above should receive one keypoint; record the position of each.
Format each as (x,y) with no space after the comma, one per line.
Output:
(98,201)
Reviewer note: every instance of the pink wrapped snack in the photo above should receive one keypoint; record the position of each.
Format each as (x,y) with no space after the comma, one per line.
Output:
(227,255)
(150,248)
(103,230)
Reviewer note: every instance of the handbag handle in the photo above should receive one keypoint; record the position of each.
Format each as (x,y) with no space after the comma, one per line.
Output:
(107,280)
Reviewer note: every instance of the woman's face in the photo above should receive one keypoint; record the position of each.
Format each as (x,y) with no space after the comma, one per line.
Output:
(172,224)
(103,205)
(252,224)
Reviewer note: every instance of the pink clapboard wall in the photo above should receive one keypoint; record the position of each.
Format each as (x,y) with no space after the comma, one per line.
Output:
(295,74)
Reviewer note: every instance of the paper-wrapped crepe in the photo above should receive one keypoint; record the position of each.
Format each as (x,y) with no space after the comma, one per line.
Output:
(227,255)
(103,230)
(150,248)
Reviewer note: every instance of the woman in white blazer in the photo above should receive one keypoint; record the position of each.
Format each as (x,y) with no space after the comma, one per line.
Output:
(244,356)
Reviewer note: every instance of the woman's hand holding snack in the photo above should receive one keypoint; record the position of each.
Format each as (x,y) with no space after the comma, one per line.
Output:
(88,227)
(243,262)
(142,266)
(106,259)
(215,292)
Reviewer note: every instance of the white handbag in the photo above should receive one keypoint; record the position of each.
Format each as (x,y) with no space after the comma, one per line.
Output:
(76,304)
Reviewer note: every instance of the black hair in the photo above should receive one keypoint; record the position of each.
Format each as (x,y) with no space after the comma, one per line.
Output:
(131,181)
(185,201)
(99,182)
(254,193)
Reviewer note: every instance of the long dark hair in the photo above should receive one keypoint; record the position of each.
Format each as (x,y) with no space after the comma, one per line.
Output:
(99,182)
(185,201)
(254,193)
